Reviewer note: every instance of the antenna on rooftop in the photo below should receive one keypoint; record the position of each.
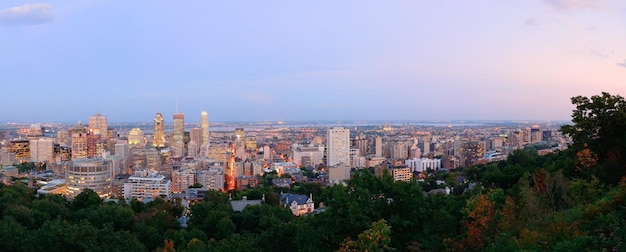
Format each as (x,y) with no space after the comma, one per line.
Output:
(176,104)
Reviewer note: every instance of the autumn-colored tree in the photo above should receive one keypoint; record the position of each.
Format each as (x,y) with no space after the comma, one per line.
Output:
(478,226)
(168,246)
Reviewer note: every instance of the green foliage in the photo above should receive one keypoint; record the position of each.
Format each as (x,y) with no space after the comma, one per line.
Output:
(87,198)
(600,126)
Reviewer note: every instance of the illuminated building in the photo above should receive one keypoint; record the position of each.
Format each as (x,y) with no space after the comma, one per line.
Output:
(95,174)
(338,140)
(240,136)
(251,143)
(136,138)
(204,125)
(79,141)
(147,185)
(21,149)
(179,128)
(98,125)
(159,131)
(182,179)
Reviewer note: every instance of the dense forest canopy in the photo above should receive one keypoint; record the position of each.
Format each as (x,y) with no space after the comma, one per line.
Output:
(574,200)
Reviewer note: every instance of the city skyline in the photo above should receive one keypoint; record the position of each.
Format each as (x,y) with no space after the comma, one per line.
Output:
(63,61)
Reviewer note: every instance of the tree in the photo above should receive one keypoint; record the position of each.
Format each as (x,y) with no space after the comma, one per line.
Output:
(600,126)
(86,199)
(376,238)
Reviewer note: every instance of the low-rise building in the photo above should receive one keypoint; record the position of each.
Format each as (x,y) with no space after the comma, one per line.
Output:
(147,185)
(298,204)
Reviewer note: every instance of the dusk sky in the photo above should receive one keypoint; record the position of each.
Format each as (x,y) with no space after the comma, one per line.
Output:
(62,61)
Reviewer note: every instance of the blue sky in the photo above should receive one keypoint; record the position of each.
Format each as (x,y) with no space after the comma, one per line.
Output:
(62,61)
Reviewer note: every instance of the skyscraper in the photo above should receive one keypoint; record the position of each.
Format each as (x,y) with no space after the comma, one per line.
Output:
(159,131)
(98,125)
(338,141)
(136,138)
(204,125)
(179,128)
(240,136)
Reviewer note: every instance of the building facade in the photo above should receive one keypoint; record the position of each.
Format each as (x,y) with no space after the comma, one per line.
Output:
(159,131)
(179,128)
(204,125)
(338,142)
(147,185)
(95,174)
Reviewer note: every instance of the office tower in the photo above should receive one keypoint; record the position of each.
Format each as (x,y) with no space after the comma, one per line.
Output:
(79,141)
(98,125)
(338,141)
(179,128)
(95,174)
(535,135)
(159,131)
(195,135)
(240,136)
(204,125)
(41,150)
(251,143)
(378,142)
(21,149)
(136,138)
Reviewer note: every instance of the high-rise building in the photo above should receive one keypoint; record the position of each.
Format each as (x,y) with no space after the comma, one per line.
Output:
(136,138)
(179,128)
(240,136)
(159,131)
(378,145)
(338,141)
(122,151)
(21,149)
(95,174)
(41,150)
(204,125)
(79,141)
(98,125)
(195,135)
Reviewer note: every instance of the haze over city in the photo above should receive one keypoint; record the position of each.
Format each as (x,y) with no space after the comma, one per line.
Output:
(62,61)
